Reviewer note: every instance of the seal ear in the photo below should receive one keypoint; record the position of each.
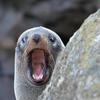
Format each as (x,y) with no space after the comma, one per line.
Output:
(18,48)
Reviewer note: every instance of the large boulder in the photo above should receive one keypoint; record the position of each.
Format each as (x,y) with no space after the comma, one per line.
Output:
(77,72)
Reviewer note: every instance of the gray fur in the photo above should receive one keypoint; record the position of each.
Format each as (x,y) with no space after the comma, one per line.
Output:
(25,90)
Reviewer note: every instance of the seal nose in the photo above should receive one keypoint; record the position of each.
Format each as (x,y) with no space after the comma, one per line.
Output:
(36,38)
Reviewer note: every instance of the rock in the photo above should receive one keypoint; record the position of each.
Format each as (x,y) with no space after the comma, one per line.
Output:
(77,72)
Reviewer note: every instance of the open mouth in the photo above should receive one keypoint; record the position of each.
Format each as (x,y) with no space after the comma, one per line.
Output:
(40,71)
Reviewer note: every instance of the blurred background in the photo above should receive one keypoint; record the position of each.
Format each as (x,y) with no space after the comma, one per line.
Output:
(62,16)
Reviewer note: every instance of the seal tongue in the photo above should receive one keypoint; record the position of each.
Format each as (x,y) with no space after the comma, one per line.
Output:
(38,72)
(38,62)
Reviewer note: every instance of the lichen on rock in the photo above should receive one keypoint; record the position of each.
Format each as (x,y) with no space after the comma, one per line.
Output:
(77,72)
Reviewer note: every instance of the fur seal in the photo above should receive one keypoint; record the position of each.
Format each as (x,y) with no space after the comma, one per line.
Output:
(35,57)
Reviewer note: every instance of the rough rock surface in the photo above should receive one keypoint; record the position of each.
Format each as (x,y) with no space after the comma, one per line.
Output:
(77,72)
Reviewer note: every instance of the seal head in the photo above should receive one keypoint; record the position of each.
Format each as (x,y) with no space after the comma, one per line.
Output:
(37,50)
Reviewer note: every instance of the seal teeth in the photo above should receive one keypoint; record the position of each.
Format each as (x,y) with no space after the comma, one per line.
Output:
(38,72)
(37,77)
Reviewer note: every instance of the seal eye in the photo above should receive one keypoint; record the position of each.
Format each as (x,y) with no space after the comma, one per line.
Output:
(24,39)
(52,38)
(22,43)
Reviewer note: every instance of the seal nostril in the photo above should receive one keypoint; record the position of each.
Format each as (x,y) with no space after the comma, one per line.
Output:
(36,38)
